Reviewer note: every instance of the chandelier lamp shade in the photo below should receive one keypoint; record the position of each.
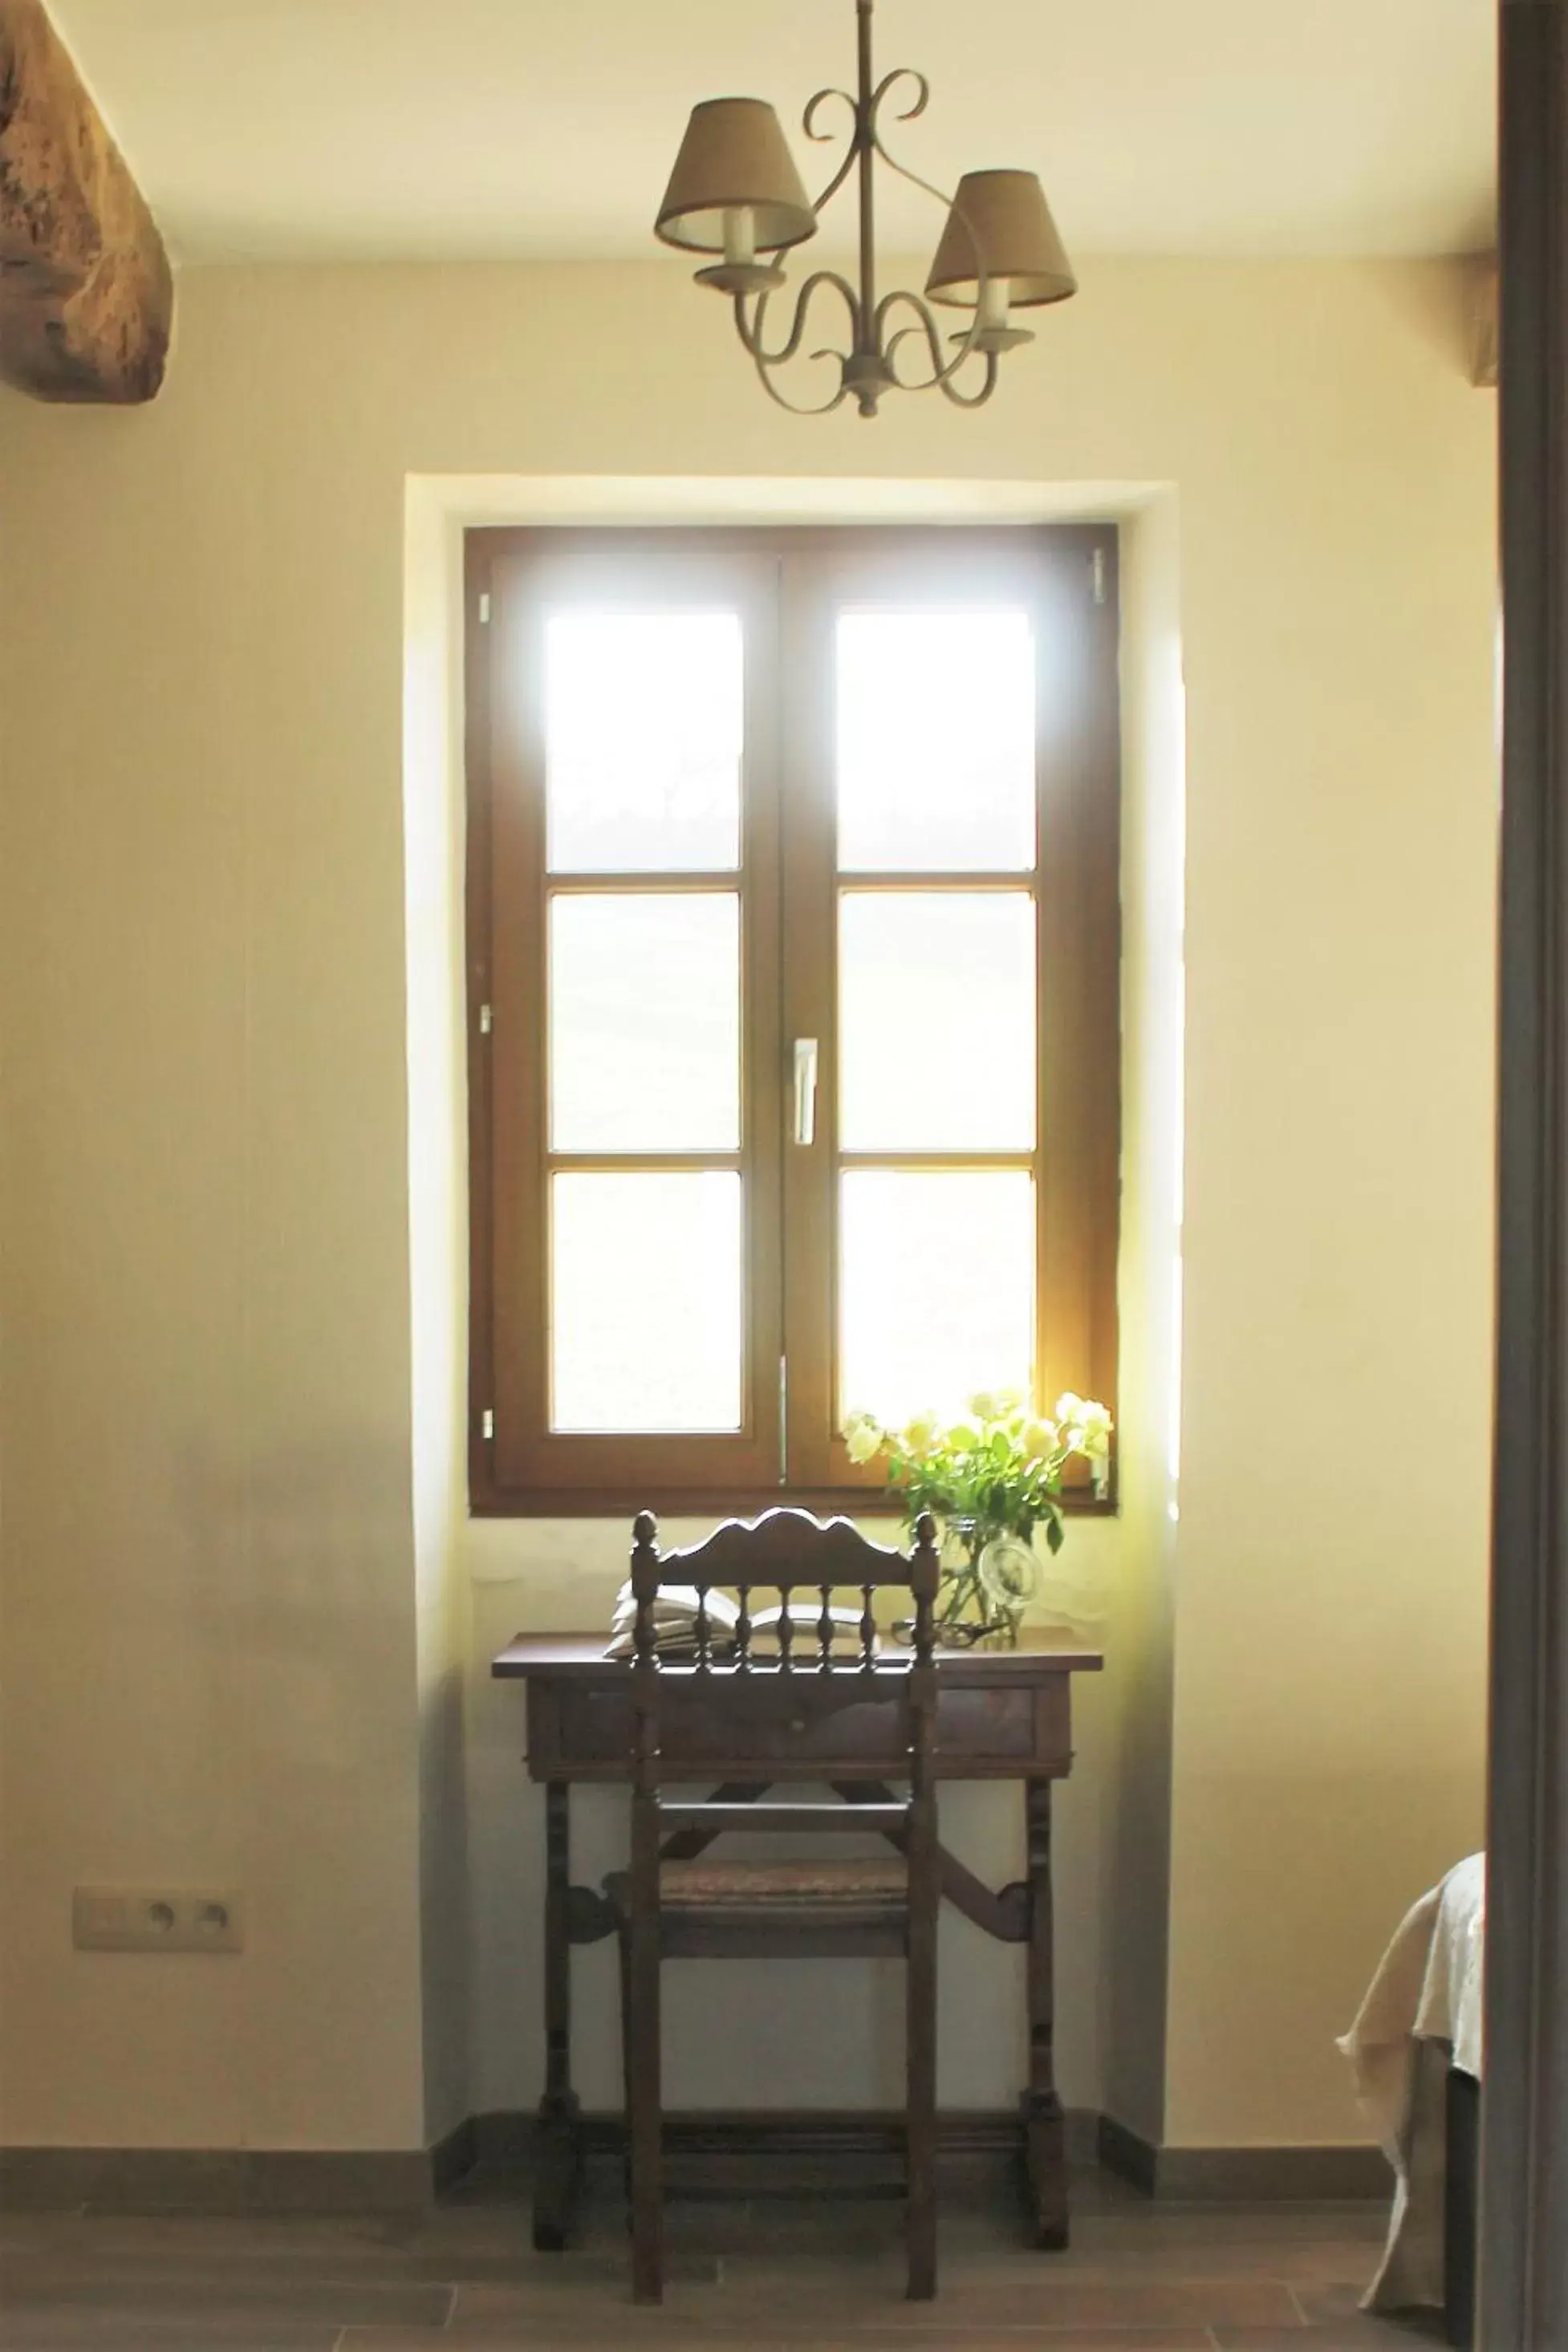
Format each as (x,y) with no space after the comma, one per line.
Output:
(735,193)
(734,180)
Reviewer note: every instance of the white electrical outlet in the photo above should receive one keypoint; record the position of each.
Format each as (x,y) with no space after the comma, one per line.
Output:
(157,1920)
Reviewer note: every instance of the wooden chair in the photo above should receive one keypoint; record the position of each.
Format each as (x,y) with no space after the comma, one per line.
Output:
(674,1904)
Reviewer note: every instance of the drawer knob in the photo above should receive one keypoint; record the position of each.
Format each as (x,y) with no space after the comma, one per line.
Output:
(797,1723)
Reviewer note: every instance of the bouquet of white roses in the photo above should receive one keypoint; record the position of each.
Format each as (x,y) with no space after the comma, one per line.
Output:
(992,1478)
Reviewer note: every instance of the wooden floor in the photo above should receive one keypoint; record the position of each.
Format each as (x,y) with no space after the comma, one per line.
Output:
(1138,2278)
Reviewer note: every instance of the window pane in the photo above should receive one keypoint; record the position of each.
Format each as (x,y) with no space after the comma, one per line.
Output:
(936,1288)
(645,1021)
(643,727)
(936,993)
(936,742)
(645,1302)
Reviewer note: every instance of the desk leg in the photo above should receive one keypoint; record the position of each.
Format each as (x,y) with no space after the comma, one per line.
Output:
(1045,2137)
(558,2147)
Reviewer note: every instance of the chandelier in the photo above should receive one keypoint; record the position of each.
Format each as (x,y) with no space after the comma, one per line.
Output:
(735,192)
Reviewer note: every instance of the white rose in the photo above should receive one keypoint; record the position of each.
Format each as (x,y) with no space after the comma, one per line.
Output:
(1088,1428)
(862,1437)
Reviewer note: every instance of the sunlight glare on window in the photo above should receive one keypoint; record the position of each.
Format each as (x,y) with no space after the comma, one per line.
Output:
(643,721)
(936,741)
(645,1301)
(936,1288)
(645,1021)
(937,1021)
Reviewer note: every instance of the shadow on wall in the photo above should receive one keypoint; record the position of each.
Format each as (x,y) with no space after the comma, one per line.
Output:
(298,1577)
(447,1946)
(1437,305)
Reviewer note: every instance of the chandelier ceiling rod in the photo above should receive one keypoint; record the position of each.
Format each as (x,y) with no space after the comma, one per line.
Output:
(735,192)
(866,149)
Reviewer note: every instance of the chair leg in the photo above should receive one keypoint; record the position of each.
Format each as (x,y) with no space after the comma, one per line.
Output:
(645,2120)
(920,2016)
(624,1971)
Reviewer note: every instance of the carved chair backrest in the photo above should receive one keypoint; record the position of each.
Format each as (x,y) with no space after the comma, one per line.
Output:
(789,1553)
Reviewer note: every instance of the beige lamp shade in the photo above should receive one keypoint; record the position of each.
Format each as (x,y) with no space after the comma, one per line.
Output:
(733,156)
(1006,215)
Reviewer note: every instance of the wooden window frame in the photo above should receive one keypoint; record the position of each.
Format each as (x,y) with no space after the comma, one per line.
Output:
(789,881)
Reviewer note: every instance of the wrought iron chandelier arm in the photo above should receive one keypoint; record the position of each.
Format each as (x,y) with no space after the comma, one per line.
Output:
(944,384)
(943,371)
(750,333)
(808,124)
(972,399)
(800,407)
(751,330)
(917,105)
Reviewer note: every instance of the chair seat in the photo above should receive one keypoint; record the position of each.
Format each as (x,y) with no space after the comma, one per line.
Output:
(795,1891)
(730,1884)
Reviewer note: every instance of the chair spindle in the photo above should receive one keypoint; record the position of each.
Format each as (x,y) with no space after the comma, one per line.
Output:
(787,1631)
(867,1629)
(645,1588)
(744,1630)
(825,1631)
(704,1632)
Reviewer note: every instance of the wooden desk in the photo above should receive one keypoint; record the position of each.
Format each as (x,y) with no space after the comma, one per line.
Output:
(1002,1715)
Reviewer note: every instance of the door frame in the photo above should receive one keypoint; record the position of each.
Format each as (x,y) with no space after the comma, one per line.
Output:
(1523,2284)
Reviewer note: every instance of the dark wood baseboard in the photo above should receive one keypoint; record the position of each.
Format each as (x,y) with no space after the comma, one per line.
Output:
(796,2152)
(218,2180)
(792,2135)
(1126,2153)
(455,2155)
(1355,2173)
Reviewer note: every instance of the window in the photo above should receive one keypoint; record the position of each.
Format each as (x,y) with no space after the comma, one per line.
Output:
(793,961)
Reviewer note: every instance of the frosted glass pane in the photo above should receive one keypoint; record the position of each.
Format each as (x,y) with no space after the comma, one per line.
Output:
(643,724)
(936,742)
(645,1302)
(645,1021)
(936,1288)
(936,993)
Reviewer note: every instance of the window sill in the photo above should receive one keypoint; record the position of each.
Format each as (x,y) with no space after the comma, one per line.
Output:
(695,1502)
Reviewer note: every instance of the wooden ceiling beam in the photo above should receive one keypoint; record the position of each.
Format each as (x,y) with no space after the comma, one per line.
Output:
(86,298)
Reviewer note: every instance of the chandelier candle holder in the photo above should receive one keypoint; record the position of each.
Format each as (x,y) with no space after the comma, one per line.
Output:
(735,192)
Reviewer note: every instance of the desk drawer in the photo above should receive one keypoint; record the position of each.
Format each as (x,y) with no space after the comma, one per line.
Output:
(995,1731)
(803,1728)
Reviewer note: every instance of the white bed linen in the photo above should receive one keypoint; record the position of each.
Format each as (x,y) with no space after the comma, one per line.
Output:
(1422,2013)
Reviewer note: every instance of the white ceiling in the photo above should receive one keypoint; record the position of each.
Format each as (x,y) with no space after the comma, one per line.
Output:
(385,129)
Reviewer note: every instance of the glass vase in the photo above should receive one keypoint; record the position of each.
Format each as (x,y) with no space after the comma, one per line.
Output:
(970,1605)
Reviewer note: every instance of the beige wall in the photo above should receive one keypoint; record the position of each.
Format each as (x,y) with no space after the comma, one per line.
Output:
(437,1001)
(1134,1902)
(232,1612)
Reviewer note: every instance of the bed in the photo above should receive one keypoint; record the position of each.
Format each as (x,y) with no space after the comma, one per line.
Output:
(1415,2050)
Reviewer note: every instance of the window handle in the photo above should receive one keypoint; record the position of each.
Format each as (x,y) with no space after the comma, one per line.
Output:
(805,1089)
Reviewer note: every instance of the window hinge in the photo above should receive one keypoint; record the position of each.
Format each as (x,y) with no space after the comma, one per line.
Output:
(485,610)
(487,1020)
(487,1425)
(1097,574)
